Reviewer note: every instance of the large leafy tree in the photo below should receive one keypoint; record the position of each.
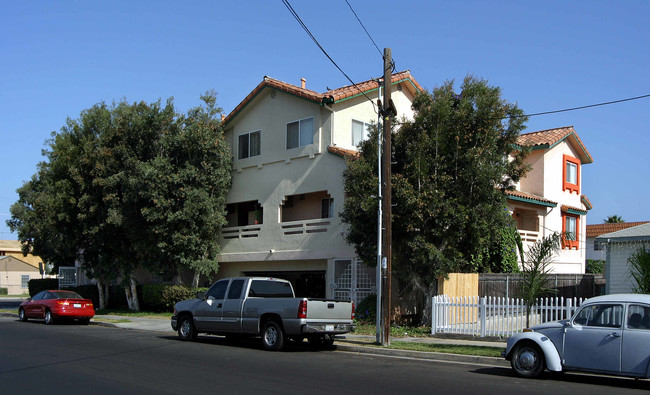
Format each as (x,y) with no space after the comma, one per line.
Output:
(614,219)
(452,164)
(130,185)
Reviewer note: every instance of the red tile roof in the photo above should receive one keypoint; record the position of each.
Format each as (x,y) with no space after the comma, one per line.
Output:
(530,196)
(330,96)
(342,152)
(601,229)
(550,137)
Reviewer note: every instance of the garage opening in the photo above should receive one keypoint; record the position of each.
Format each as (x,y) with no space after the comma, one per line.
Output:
(310,284)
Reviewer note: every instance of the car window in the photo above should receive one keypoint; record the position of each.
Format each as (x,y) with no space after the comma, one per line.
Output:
(235,289)
(270,289)
(39,295)
(48,295)
(601,315)
(638,317)
(218,290)
(66,295)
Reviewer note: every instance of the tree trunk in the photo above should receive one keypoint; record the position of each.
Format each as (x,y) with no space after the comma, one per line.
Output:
(195,280)
(102,299)
(132,295)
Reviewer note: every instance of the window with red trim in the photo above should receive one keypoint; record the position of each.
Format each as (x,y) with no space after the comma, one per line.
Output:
(571,174)
(570,230)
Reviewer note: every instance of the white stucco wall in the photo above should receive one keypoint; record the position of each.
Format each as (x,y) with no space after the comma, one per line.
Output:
(617,269)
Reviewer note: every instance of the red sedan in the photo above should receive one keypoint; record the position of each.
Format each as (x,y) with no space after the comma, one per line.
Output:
(55,305)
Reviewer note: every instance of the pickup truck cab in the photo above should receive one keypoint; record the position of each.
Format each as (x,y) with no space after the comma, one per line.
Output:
(265,307)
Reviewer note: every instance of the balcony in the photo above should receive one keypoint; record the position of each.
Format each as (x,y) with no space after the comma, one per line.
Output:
(241,232)
(305,227)
(529,236)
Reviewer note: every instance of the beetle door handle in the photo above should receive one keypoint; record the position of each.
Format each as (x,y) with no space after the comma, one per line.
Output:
(615,334)
(219,305)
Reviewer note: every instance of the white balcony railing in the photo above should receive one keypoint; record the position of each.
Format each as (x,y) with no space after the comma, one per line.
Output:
(241,232)
(529,236)
(303,227)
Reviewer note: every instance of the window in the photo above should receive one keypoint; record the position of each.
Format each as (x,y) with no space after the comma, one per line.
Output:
(571,174)
(570,229)
(218,290)
(638,317)
(327,208)
(270,289)
(249,144)
(235,289)
(300,133)
(603,315)
(360,132)
(24,280)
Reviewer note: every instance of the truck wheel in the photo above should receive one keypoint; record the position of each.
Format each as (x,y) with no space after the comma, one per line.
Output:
(186,329)
(272,336)
(528,360)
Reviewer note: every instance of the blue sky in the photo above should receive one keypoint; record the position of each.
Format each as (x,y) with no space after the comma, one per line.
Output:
(59,58)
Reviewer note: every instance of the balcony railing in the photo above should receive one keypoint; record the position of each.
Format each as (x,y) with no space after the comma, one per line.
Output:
(241,232)
(529,236)
(303,227)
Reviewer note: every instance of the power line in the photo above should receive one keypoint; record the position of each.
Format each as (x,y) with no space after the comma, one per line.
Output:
(306,29)
(578,108)
(364,28)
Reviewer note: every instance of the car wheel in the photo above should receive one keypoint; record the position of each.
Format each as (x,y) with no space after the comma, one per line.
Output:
(528,360)
(272,336)
(21,315)
(49,318)
(186,329)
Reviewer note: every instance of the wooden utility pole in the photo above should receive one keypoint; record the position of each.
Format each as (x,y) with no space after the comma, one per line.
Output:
(386,198)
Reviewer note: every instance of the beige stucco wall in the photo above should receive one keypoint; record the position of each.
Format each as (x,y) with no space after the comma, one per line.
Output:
(11,272)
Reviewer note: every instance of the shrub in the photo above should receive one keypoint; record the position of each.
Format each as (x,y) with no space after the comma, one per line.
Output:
(152,297)
(366,311)
(595,266)
(4,291)
(173,294)
(41,284)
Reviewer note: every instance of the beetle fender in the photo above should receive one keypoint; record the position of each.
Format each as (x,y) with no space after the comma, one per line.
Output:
(552,356)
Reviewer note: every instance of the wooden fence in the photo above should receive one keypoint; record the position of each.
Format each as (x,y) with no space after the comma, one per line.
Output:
(567,285)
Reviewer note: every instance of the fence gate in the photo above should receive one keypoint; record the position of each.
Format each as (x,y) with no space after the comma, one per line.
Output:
(353,280)
(67,276)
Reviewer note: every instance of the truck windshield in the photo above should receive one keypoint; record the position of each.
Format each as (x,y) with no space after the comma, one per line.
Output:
(270,289)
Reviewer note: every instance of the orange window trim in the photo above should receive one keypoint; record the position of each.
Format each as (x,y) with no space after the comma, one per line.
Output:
(567,186)
(570,244)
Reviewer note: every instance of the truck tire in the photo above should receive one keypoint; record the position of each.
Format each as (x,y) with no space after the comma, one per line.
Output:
(186,329)
(272,336)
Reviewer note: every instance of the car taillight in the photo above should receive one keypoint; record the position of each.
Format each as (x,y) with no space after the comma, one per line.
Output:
(63,303)
(302,309)
(352,311)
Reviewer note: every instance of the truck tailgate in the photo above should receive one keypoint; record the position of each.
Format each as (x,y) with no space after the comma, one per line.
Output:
(328,310)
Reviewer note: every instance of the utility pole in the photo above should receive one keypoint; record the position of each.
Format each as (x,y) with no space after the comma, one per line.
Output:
(386,197)
(379,331)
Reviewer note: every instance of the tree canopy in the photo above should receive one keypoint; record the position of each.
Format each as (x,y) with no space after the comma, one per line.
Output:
(452,164)
(614,219)
(130,185)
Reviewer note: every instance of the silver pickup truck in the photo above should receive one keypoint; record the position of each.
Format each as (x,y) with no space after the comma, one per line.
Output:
(266,307)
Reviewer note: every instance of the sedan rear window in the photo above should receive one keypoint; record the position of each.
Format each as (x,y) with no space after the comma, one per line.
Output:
(66,295)
(270,289)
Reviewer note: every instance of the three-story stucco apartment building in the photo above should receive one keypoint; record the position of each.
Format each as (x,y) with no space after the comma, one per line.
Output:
(289,145)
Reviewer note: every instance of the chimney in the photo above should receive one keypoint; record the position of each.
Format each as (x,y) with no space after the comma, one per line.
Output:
(302,83)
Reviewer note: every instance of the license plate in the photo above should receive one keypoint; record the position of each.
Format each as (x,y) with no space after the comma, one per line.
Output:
(77,305)
(329,327)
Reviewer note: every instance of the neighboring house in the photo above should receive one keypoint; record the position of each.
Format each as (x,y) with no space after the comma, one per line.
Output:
(619,246)
(289,146)
(15,274)
(13,248)
(550,197)
(596,251)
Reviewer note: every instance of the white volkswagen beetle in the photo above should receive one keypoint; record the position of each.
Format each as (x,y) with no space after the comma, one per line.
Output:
(608,334)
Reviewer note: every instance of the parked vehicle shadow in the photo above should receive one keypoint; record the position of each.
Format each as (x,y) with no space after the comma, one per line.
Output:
(573,377)
(253,343)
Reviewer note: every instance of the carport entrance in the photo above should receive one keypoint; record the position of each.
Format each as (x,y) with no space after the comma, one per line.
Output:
(306,284)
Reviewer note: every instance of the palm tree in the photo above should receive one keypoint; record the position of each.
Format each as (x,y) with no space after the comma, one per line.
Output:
(614,219)
(640,270)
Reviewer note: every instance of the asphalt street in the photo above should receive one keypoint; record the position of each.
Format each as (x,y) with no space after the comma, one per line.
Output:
(78,359)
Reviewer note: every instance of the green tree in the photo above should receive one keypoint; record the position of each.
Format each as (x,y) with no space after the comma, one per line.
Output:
(451,169)
(534,270)
(130,185)
(613,219)
(640,270)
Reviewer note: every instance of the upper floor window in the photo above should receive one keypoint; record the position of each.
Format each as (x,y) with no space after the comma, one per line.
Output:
(249,144)
(300,133)
(360,131)
(571,174)
(570,226)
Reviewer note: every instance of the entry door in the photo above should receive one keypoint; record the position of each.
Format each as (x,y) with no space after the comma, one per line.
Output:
(354,280)
(595,338)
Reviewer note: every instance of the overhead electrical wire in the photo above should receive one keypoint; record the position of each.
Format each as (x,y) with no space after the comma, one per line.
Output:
(306,29)
(392,62)
(578,108)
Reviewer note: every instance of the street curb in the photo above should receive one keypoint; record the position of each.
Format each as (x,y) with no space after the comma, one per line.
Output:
(425,355)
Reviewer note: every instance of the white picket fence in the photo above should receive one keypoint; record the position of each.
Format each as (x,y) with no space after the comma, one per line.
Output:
(492,316)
